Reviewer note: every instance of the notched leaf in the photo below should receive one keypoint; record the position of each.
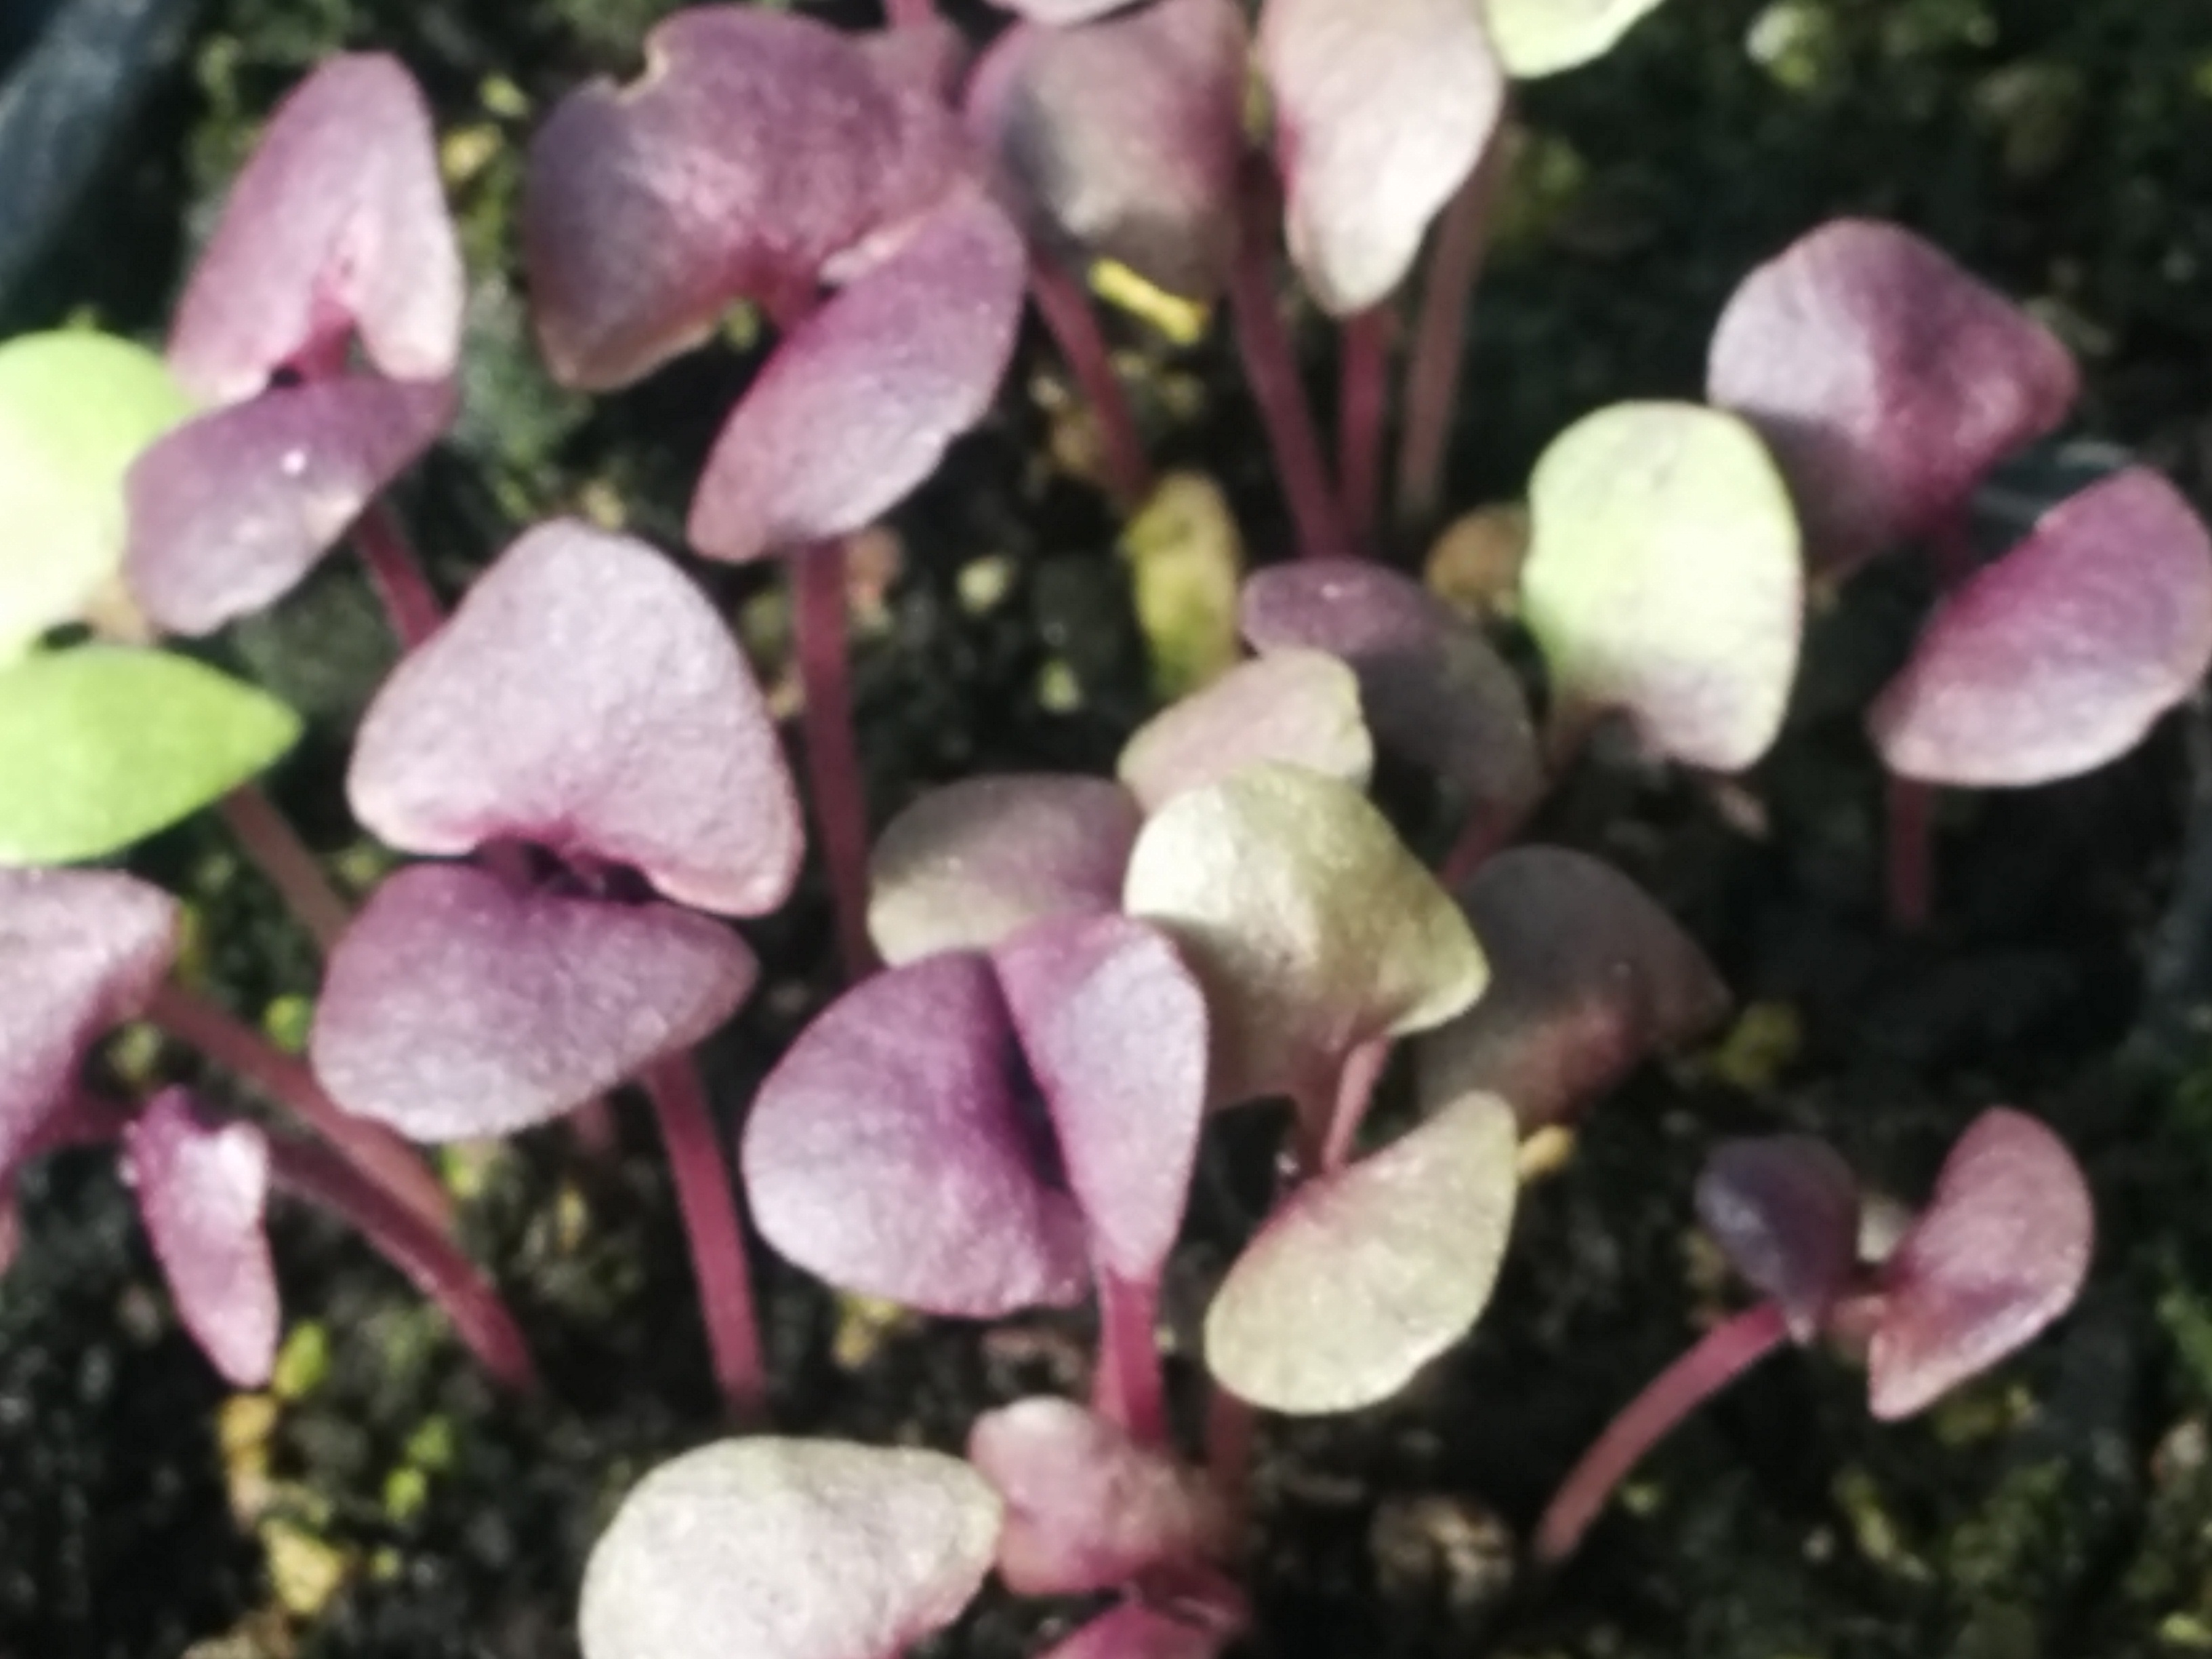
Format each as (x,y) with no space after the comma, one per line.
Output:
(2000,1252)
(586,698)
(336,225)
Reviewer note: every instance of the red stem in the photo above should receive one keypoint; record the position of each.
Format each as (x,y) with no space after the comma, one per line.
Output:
(1355,1092)
(906,14)
(1432,368)
(708,1200)
(425,1255)
(383,1159)
(1717,1359)
(1129,1388)
(1362,412)
(1232,1435)
(278,851)
(1271,368)
(410,602)
(833,759)
(1072,322)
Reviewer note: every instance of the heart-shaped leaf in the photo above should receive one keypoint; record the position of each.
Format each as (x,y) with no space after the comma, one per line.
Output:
(755,150)
(1999,1253)
(230,511)
(1087,1507)
(1299,707)
(456,1007)
(1311,925)
(1382,109)
(968,865)
(336,224)
(1542,36)
(102,746)
(1366,1274)
(861,401)
(202,1189)
(586,698)
(1433,689)
(1114,1028)
(2058,657)
(1589,978)
(1122,139)
(801,1549)
(80,951)
(1887,379)
(76,409)
(894,1150)
(1784,1209)
(1664,579)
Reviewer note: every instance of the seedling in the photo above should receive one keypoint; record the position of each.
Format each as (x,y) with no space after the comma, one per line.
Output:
(335,238)
(82,951)
(587,702)
(649,211)
(1890,383)
(978,1133)
(1998,1254)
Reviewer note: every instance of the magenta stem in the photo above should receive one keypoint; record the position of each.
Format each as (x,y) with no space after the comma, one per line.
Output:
(1362,408)
(383,1159)
(410,602)
(1072,322)
(1717,1359)
(276,850)
(425,1255)
(1271,368)
(1432,368)
(833,758)
(1129,1388)
(1355,1092)
(708,1200)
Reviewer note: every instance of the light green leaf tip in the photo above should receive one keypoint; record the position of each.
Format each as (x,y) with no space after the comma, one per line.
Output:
(1665,579)
(1536,38)
(102,746)
(76,408)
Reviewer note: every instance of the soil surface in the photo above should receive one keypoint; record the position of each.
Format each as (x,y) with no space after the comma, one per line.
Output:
(383,1501)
